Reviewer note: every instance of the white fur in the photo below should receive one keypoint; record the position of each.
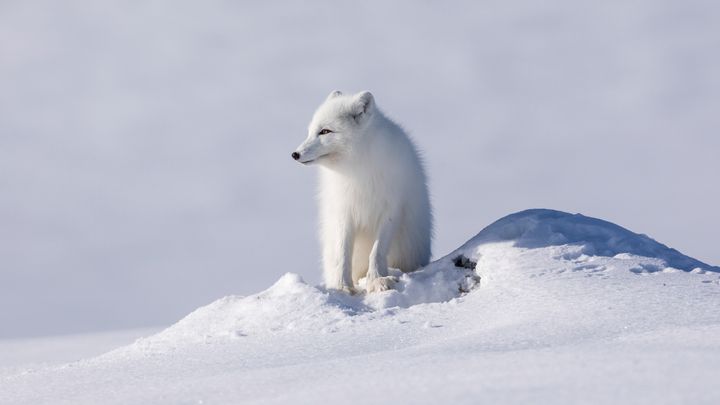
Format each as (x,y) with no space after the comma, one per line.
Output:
(374,204)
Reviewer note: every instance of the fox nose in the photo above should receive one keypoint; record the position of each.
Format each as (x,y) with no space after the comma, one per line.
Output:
(295,155)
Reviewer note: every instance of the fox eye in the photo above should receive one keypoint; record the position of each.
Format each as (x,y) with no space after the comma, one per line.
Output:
(324,131)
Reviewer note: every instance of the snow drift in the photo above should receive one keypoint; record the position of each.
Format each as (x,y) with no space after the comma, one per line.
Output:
(540,306)
(575,243)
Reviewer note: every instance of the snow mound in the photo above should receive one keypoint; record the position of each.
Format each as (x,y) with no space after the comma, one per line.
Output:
(538,228)
(518,247)
(292,306)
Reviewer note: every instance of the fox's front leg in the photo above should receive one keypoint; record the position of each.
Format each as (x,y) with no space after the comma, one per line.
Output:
(377,275)
(338,241)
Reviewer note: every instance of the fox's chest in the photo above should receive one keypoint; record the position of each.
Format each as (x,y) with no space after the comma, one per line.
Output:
(366,195)
(368,202)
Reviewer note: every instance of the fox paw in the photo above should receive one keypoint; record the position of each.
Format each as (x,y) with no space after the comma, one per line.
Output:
(380,284)
(349,290)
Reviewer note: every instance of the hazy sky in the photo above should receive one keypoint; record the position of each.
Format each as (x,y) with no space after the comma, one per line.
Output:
(144,146)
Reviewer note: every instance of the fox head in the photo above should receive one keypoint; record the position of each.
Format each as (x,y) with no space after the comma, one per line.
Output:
(337,125)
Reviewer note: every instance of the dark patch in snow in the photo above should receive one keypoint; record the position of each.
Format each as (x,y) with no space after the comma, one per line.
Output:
(464,262)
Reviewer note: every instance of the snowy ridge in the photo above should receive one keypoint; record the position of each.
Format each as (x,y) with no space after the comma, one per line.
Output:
(537,228)
(292,306)
(572,243)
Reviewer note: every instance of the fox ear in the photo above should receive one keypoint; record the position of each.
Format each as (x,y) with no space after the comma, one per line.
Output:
(363,105)
(334,94)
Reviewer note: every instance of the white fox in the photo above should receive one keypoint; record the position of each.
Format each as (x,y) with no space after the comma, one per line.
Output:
(374,204)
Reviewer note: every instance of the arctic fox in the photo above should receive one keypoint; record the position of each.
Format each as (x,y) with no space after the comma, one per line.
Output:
(374,205)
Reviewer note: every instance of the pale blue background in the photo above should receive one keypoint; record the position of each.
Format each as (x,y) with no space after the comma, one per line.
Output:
(144,146)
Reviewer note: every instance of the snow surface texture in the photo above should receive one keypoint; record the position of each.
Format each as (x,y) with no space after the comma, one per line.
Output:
(567,309)
(17,355)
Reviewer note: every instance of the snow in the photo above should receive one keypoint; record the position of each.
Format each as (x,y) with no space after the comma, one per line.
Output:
(17,355)
(559,308)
